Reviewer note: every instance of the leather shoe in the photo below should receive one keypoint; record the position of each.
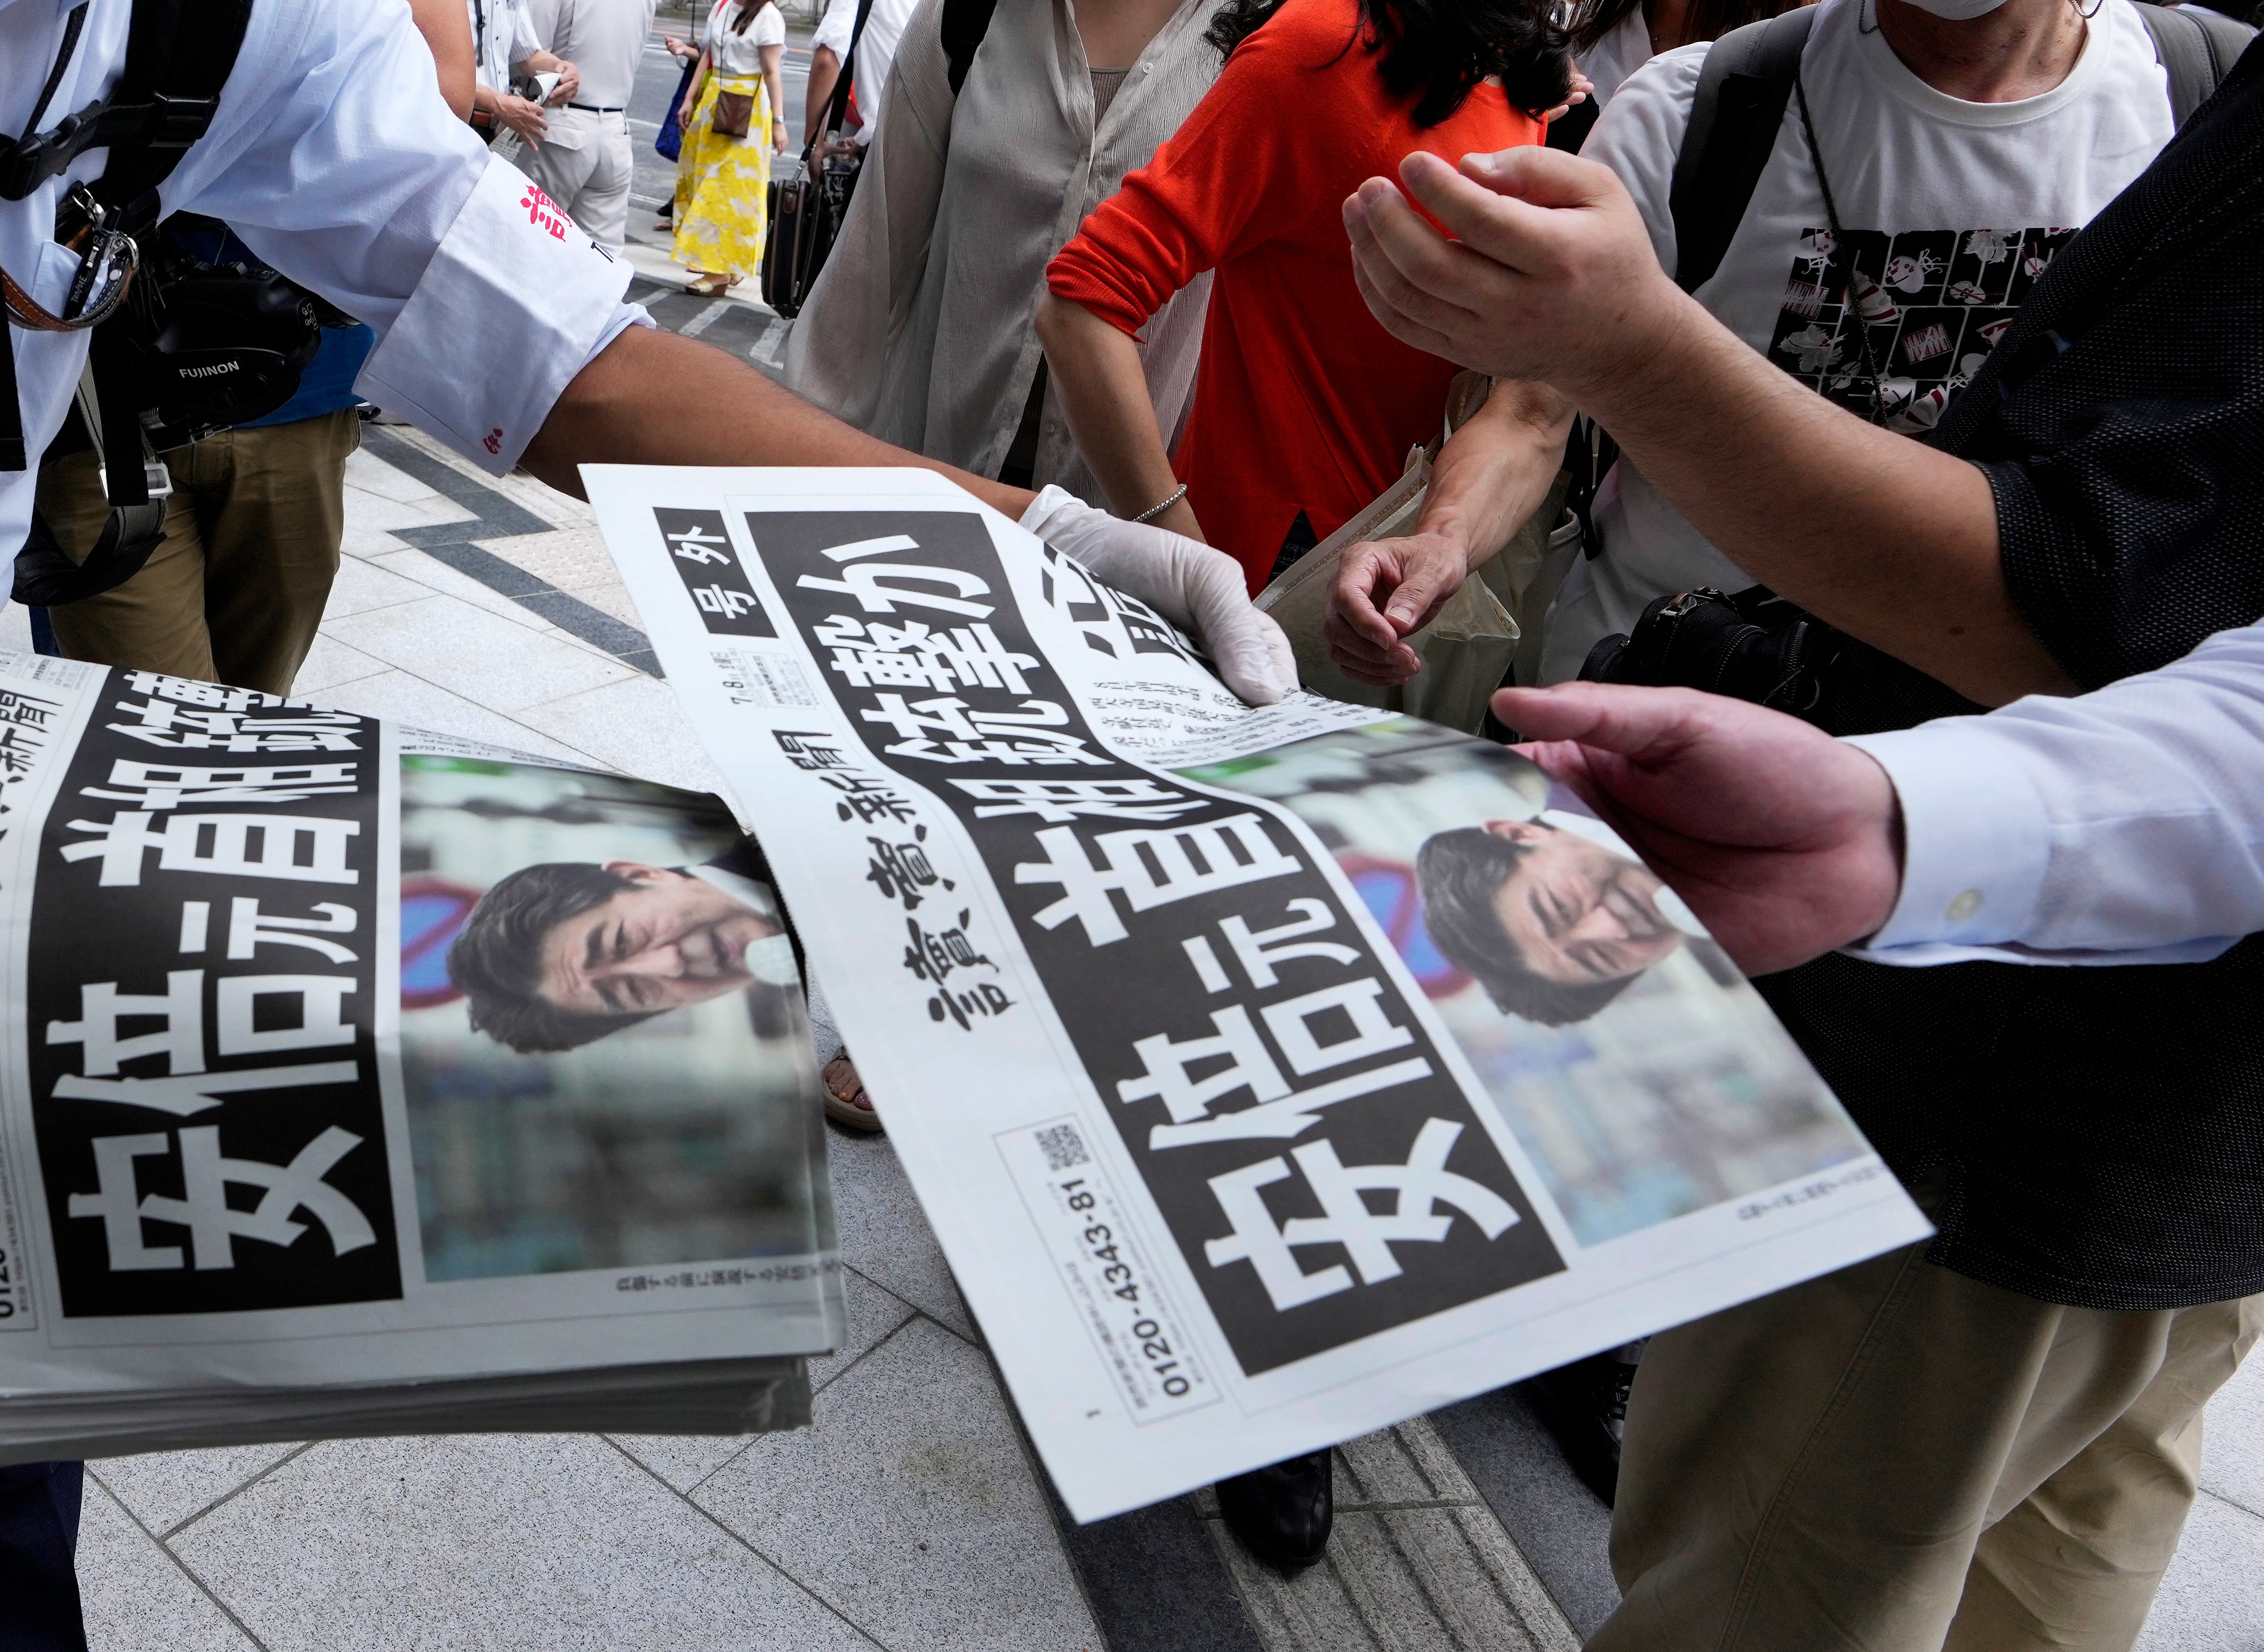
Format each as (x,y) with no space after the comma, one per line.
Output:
(1584,1405)
(1283,1513)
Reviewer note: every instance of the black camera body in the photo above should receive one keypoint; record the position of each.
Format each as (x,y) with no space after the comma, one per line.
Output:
(1753,646)
(196,347)
(214,345)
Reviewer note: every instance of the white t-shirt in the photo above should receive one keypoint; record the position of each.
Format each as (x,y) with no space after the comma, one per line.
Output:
(1952,209)
(604,39)
(876,50)
(1624,49)
(740,53)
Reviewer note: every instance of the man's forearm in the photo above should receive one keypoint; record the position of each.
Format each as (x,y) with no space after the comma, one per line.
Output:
(652,398)
(1496,471)
(447,31)
(1879,534)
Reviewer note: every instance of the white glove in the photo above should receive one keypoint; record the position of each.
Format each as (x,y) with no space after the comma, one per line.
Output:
(1197,588)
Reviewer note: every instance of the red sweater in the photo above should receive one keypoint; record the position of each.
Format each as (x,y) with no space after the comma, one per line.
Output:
(1302,401)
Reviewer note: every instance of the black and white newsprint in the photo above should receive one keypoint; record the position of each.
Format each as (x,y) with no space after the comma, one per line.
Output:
(1269,1077)
(342,1060)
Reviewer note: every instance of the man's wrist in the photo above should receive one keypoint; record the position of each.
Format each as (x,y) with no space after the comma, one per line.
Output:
(1655,337)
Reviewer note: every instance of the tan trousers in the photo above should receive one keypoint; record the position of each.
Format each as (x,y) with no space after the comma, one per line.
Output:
(1896,1458)
(236,589)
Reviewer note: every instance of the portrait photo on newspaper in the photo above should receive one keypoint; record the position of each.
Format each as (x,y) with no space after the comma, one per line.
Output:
(1639,1071)
(604,1046)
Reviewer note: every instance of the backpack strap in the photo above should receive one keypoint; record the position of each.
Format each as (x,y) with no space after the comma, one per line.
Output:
(836,110)
(2196,49)
(965,23)
(1740,103)
(178,57)
(165,101)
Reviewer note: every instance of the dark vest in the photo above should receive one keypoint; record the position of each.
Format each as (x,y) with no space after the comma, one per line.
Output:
(2101,1129)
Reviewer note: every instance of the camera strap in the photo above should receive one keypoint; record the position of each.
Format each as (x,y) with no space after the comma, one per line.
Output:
(178,57)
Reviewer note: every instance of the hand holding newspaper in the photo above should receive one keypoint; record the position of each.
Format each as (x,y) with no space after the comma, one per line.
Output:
(1269,1076)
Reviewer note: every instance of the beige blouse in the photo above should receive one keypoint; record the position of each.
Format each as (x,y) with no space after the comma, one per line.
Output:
(920,328)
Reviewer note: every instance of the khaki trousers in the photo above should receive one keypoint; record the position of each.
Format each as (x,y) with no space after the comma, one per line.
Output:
(1896,1458)
(236,591)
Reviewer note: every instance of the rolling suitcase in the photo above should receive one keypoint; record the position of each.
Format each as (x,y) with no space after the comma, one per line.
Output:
(806,210)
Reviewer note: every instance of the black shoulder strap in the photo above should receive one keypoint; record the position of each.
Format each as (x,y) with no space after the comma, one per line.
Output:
(836,111)
(1742,93)
(965,23)
(178,57)
(2196,49)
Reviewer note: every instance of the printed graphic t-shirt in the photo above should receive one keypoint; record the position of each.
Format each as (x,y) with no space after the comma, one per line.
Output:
(1951,210)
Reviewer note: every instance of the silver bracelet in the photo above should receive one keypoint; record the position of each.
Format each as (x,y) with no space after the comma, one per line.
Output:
(1158,509)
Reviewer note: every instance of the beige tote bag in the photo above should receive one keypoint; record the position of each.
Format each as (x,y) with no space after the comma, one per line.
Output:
(1468,649)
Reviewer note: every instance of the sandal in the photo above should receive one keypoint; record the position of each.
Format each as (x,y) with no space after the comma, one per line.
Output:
(702,285)
(846,1104)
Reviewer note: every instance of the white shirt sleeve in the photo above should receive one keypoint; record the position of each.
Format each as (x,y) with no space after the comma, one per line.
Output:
(338,162)
(1639,136)
(536,25)
(2124,826)
(834,29)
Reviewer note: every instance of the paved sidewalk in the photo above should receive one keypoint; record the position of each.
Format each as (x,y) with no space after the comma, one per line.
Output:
(912,1516)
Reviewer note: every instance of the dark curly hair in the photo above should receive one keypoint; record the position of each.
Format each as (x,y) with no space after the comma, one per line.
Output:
(1437,51)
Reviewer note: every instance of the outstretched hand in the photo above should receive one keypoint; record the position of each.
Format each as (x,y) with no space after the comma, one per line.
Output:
(1785,842)
(1550,274)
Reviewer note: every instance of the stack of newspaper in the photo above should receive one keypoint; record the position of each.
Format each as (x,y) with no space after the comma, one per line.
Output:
(354,1082)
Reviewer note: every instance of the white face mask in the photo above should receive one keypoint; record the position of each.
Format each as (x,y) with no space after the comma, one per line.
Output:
(771,960)
(1958,10)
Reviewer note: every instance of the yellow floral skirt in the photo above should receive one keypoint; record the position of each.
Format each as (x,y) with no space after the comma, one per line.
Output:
(722,185)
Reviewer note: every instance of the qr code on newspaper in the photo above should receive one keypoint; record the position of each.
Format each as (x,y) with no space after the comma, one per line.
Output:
(1062,1146)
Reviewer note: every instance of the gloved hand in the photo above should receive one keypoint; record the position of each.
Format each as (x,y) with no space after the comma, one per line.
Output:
(1197,588)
